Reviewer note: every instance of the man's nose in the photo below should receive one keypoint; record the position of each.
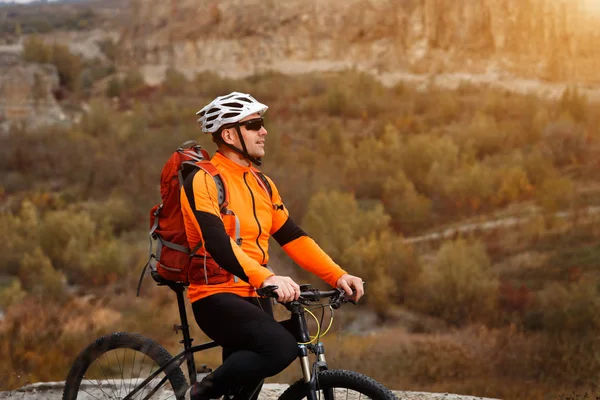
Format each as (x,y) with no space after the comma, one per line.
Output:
(263,131)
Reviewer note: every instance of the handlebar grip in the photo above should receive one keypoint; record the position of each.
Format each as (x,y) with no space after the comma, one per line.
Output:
(268,291)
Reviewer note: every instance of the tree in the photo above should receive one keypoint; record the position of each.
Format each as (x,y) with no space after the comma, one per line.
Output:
(389,267)
(459,286)
(409,209)
(336,222)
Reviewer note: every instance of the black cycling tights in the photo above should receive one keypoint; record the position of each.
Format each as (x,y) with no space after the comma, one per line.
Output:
(255,346)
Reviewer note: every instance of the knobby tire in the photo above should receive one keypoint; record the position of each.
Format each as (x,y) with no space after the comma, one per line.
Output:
(340,382)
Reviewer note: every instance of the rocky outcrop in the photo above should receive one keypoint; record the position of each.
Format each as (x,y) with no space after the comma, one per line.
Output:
(536,39)
(27,93)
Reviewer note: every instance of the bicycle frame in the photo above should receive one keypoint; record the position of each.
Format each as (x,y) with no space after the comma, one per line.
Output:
(187,355)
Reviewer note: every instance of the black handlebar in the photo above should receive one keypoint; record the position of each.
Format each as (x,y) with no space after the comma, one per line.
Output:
(308,295)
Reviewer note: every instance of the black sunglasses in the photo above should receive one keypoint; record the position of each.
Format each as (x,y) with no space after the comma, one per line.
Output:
(252,124)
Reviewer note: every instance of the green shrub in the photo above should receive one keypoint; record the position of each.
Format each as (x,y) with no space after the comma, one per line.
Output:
(11,294)
(19,235)
(570,308)
(39,277)
(387,264)
(100,119)
(36,50)
(565,142)
(68,65)
(425,159)
(336,222)
(410,362)
(132,81)
(113,87)
(367,179)
(556,194)
(350,94)
(116,215)
(66,236)
(104,263)
(539,168)
(175,82)
(484,135)
(409,209)
(513,186)
(469,187)
(459,286)
(210,85)
(446,108)
(573,103)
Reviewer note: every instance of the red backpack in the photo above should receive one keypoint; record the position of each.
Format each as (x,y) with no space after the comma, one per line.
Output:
(172,257)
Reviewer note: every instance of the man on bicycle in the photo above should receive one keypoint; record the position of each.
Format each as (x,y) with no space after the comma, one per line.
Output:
(225,272)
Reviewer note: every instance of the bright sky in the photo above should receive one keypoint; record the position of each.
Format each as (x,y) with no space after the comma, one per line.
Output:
(591,5)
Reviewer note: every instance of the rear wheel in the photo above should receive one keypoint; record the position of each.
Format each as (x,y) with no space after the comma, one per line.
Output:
(340,384)
(114,365)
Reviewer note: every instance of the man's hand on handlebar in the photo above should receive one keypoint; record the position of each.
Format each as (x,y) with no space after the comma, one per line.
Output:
(352,285)
(287,290)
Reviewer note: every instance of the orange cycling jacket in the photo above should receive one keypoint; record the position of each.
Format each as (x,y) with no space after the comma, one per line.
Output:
(259,216)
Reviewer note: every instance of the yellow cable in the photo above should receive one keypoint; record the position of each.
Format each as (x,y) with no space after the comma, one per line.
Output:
(318,327)
(313,338)
(330,322)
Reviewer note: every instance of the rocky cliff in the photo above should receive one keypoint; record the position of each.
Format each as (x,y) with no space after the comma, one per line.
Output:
(537,39)
(27,93)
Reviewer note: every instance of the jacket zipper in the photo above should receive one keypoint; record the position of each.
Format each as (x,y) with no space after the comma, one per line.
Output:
(256,218)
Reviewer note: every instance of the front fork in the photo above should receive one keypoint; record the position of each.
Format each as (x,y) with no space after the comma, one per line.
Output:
(310,374)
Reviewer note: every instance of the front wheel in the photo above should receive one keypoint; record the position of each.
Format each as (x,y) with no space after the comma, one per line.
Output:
(114,365)
(340,384)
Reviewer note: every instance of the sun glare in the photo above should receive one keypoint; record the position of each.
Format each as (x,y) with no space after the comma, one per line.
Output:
(591,6)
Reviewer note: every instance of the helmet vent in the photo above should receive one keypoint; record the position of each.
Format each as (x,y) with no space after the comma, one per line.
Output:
(233,105)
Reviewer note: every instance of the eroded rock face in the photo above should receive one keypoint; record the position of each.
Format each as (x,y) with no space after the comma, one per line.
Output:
(27,93)
(546,39)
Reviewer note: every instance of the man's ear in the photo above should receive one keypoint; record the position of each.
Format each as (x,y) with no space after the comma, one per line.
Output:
(228,136)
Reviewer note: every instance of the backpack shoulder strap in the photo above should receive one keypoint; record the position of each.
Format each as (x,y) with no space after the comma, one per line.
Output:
(223,194)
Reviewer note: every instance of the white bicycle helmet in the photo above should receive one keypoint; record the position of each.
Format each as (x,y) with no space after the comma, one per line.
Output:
(228,109)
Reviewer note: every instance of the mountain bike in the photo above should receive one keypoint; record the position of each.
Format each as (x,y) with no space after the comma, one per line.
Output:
(114,366)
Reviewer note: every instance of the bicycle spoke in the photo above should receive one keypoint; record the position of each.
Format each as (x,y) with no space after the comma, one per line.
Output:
(98,386)
(123,383)
(110,374)
(120,370)
(132,366)
(90,394)
(338,393)
(137,377)
(106,377)
(97,375)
